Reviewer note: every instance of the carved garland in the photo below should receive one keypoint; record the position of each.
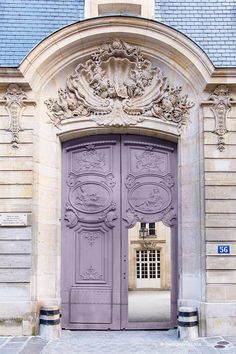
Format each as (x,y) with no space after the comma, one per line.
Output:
(220,108)
(118,86)
(15,101)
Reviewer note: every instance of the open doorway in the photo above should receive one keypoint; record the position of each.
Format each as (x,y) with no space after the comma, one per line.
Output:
(149,285)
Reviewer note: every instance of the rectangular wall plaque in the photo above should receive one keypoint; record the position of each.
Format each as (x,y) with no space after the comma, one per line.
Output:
(13,219)
(223,249)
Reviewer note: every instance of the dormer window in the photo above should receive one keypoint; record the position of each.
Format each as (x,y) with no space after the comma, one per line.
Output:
(119,9)
(143,8)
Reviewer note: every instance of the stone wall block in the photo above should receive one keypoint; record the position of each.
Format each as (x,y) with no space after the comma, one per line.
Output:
(211,138)
(16,163)
(25,150)
(220,234)
(209,124)
(221,262)
(14,292)
(216,326)
(15,233)
(220,206)
(210,151)
(16,205)
(220,178)
(212,248)
(16,191)
(15,261)
(219,293)
(14,275)
(221,276)
(220,192)
(220,165)
(16,177)
(15,247)
(221,220)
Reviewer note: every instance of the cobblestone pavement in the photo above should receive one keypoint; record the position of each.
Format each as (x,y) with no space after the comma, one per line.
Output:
(112,342)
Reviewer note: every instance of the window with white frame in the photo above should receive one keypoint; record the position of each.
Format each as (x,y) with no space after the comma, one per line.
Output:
(150,228)
(148,264)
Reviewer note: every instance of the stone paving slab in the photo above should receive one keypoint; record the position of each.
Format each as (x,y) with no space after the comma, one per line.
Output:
(115,342)
(139,342)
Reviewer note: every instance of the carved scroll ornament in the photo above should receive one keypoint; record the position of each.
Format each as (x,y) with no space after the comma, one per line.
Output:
(14,102)
(149,245)
(220,108)
(119,86)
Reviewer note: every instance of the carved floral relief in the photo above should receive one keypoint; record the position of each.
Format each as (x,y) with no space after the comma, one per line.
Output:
(221,105)
(119,86)
(91,160)
(91,236)
(149,245)
(14,99)
(150,161)
(91,274)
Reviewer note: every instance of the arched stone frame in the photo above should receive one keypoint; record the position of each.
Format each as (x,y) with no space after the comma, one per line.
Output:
(46,69)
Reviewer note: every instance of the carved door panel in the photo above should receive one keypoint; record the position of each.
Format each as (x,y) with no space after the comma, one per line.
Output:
(109,184)
(91,234)
(148,195)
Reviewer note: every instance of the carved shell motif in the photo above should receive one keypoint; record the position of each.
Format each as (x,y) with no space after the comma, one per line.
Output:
(118,86)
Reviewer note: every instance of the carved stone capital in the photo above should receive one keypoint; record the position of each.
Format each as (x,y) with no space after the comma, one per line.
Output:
(221,105)
(119,86)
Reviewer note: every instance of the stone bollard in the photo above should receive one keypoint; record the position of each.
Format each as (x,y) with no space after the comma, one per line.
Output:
(187,323)
(49,323)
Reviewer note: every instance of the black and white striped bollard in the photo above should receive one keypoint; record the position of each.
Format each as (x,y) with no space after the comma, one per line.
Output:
(49,323)
(188,323)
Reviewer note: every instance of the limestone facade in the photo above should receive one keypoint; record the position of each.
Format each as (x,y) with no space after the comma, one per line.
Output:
(30,169)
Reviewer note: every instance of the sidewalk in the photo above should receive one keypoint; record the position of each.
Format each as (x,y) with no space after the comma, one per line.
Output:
(112,342)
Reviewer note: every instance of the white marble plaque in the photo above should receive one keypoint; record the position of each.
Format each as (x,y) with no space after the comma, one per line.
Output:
(13,219)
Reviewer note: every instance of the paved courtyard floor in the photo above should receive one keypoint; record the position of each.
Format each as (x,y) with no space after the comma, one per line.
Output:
(149,306)
(112,342)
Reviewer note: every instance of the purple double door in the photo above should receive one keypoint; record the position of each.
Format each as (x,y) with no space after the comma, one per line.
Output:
(109,184)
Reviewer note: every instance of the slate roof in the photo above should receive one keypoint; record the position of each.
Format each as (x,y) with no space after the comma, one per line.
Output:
(211,24)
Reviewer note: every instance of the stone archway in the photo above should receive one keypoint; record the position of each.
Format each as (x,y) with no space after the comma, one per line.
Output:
(56,64)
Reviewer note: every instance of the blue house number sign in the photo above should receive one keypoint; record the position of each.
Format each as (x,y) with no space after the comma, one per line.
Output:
(223,249)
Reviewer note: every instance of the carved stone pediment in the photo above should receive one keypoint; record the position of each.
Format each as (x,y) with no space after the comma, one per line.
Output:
(119,86)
